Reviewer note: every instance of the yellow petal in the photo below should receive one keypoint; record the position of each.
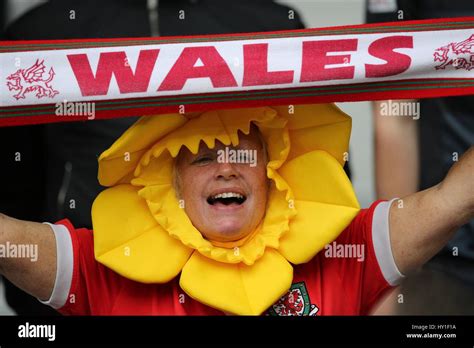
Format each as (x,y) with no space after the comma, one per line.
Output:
(117,163)
(317,127)
(315,225)
(318,177)
(128,239)
(324,200)
(237,288)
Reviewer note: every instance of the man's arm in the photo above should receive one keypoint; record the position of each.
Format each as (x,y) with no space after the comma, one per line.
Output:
(35,277)
(422,223)
(396,154)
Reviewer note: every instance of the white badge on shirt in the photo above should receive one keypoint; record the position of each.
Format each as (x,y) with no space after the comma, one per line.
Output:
(382,6)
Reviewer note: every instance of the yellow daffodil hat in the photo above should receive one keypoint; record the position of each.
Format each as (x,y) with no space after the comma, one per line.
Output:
(142,232)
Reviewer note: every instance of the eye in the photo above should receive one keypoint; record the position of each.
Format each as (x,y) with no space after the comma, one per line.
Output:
(203,159)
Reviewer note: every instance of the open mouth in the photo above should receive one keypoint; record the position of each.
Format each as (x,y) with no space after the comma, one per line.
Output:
(226,198)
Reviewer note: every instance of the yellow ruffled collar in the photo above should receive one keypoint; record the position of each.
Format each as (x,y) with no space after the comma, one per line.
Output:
(141,232)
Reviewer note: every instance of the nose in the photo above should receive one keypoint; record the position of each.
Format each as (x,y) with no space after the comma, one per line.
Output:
(226,171)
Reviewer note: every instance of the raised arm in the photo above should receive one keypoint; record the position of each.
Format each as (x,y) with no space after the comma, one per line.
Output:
(396,153)
(422,223)
(35,276)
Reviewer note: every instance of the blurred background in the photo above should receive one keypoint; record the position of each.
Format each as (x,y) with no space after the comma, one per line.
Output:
(443,292)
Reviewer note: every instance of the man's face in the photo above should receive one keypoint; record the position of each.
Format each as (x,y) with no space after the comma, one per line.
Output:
(224,200)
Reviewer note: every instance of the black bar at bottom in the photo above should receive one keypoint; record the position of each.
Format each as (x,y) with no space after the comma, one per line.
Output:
(418,330)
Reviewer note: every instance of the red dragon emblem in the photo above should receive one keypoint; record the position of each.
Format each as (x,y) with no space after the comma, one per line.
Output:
(292,304)
(31,79)
(296,302)
(458,54)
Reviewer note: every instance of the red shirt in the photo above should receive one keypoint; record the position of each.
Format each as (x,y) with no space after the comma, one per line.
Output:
(327,285)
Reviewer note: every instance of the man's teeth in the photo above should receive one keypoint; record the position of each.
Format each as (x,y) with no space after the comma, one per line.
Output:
(228,195)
